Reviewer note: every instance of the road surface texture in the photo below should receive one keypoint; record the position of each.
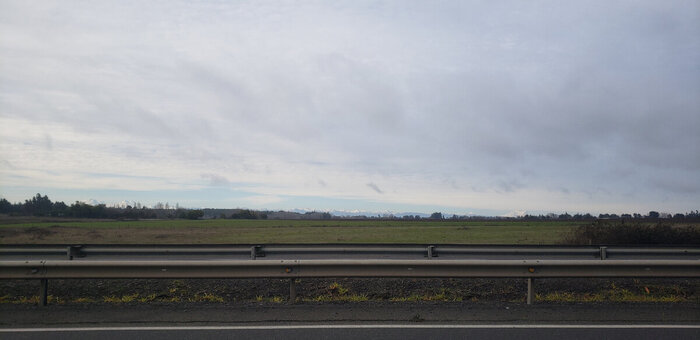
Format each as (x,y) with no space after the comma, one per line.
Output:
(352,320)
(370,332)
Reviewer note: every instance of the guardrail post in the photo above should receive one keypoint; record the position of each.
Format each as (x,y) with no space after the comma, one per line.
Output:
(530,291)
(73,251)
(603,253)
(292,291)
(431,252)
(255,252)
(43,292)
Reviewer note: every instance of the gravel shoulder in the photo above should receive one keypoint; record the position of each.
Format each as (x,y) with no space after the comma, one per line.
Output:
(343,300)
(352,290)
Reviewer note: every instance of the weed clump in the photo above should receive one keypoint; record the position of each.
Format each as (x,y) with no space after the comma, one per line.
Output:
(621,233)
(619,294)
(335,292)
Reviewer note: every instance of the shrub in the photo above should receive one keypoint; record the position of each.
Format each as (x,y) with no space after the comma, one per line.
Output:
(620,233)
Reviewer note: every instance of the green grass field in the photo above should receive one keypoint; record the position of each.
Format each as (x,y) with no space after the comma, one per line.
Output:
(286,231)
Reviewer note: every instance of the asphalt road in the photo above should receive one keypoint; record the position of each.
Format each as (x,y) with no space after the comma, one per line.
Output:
(352,321)
(220,314)
(339,332)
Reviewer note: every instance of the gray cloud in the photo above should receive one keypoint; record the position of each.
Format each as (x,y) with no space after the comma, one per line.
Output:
(216,180)
(375,188)
(504,98)
(676,185)
(6,164)
(48,142)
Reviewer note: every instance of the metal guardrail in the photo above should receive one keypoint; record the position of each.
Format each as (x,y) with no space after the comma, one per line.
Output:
(71,252)
(530,262)
(231,269)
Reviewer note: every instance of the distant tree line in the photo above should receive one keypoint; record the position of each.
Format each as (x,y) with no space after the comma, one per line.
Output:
(42,206)
(565,216)
(651,215)
(248,214)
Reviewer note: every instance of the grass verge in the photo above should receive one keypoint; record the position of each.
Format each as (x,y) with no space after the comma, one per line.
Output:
(278,231)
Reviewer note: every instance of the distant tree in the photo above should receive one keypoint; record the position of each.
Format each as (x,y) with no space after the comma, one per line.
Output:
(38,206)
(195,214)
(5,206)
(654,214)
(59,209)
(84,210)
(246,214)
(436,216)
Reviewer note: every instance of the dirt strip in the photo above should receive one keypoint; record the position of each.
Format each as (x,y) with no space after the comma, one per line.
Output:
(350,290)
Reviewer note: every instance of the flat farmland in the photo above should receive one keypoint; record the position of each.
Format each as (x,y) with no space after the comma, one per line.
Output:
(283,231)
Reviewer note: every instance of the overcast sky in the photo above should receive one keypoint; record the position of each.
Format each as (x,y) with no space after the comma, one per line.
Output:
(487,107)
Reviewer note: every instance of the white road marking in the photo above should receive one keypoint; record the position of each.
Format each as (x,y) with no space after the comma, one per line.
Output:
(379,326)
